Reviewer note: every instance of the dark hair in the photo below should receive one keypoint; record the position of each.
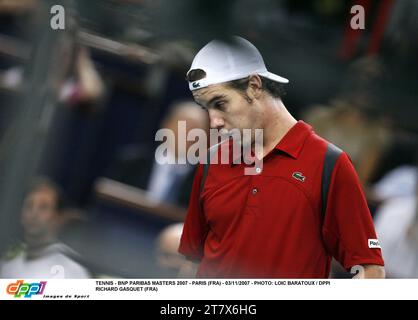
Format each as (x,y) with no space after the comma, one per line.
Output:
(275,89)
(46,183)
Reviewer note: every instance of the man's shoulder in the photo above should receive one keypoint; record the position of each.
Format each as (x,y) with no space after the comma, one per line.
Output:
(71,268)
(315,138)
(10,262)
(316,144)
(62,255)
(318,151)
(9,267)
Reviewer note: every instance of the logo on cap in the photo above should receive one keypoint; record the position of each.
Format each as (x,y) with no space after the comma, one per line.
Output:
(196,84)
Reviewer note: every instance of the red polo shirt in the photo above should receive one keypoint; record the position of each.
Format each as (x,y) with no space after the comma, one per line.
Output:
(269,225)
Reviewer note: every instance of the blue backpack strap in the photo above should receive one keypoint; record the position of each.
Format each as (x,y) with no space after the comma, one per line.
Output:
(331,156)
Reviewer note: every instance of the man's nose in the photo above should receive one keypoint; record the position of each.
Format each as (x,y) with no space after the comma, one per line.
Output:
(216,120)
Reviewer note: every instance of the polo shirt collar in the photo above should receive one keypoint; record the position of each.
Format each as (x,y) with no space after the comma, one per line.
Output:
(293,140)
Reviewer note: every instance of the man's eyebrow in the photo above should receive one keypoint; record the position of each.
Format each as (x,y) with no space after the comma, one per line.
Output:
(215,98)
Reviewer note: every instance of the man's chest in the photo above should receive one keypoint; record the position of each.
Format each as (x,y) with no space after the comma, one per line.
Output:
(283,192)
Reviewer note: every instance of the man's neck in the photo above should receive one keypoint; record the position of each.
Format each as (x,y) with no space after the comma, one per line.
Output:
(34,246)
(278,122)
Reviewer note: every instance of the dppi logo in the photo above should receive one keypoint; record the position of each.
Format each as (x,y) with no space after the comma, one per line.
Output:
(19,288)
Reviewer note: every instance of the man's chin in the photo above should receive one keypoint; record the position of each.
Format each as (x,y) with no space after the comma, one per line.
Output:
(34,234)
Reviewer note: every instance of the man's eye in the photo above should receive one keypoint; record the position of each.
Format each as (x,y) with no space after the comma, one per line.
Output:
(220,105)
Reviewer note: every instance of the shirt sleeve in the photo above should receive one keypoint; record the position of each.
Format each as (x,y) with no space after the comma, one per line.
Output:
(348,225)
(195,227)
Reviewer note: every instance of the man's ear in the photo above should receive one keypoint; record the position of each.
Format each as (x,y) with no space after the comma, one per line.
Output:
(254,86)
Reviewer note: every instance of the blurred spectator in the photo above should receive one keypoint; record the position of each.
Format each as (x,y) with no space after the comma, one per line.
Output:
(395,224)
(364,139)
(83,87)
(11,6)
(78,84)
(350,120)
(42,255)
(399,182)
(171,183)
(169,261)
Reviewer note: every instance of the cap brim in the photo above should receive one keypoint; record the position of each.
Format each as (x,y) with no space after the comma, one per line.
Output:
(274,77)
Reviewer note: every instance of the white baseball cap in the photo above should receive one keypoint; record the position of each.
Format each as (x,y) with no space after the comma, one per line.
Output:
(222,62)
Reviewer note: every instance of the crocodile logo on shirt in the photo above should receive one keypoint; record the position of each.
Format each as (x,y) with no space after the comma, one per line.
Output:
(298,176)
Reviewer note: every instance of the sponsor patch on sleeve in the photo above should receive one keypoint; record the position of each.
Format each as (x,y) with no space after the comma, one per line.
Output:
(374,244)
